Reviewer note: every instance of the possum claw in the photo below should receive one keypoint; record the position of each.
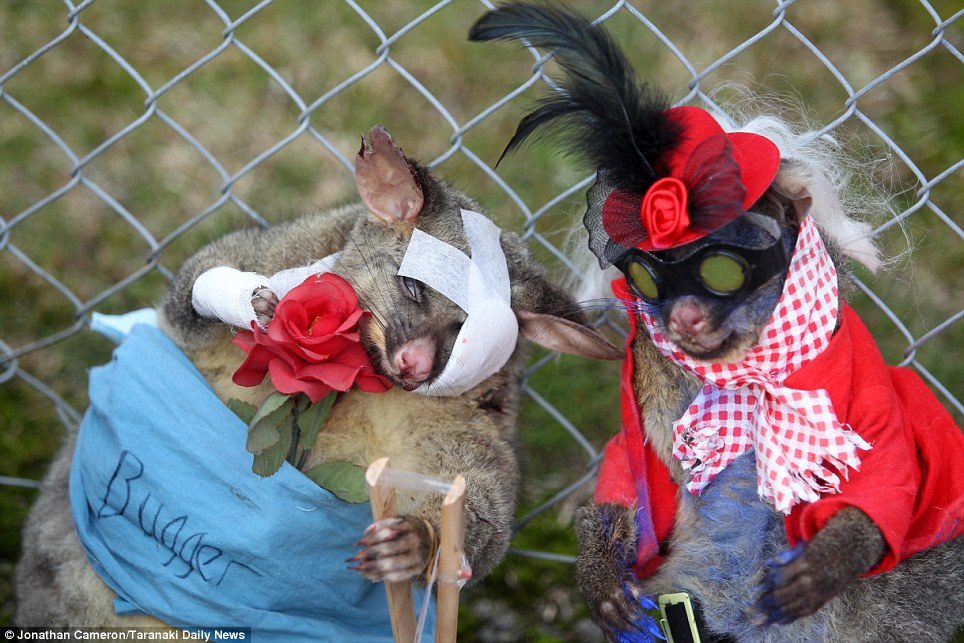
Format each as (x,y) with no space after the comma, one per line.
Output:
(263,300)
(785,557)
(393,549)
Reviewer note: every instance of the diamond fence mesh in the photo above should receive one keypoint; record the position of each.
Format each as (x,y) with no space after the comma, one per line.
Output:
(132,133)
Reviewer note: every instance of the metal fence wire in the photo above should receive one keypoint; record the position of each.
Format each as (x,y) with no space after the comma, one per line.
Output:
(132,133)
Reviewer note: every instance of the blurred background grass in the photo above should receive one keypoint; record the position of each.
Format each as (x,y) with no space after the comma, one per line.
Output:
(236,111)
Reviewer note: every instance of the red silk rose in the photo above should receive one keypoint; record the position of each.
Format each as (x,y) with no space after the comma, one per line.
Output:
(663,212)
(312,344)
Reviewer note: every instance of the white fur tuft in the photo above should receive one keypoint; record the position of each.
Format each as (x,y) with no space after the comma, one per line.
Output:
(844,202)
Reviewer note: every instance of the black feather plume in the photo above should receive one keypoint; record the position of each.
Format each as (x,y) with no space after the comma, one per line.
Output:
(605,116)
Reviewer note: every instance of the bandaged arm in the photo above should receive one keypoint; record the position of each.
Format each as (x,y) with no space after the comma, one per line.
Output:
(225,293)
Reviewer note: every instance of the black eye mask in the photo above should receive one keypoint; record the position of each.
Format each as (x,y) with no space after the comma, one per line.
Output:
(721,270)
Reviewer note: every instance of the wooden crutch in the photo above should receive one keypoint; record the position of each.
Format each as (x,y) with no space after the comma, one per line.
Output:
(450,573)
(401,606)
(451,576)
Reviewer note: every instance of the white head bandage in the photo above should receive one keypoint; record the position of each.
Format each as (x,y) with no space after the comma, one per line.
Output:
(478,285)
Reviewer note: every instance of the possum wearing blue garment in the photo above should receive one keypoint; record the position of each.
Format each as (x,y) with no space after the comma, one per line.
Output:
(770,466)
(430,421)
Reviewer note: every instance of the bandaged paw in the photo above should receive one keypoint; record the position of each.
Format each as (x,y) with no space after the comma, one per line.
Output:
(226,293)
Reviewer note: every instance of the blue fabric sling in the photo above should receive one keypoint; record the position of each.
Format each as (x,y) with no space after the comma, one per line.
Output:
(175,522)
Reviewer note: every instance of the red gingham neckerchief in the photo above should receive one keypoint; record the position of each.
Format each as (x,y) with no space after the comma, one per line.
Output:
(801,447)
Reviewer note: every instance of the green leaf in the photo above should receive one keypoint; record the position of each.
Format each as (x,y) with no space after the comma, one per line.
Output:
(311,420)
(272,404)
(267,462)
(243,410)
(344,479)
(264,434)
(265,428)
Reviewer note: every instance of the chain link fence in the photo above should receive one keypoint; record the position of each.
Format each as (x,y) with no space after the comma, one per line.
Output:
(132,133)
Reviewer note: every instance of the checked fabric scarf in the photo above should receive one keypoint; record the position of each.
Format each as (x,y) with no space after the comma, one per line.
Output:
(801,447)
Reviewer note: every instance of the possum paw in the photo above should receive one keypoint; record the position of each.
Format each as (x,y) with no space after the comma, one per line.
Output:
(394,549)
(263,300)
(772,606)
(793,587)
(625,619)
(801,580)
(607,539)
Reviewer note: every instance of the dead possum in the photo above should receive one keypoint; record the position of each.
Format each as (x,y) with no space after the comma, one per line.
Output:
(435,430)
(704,278)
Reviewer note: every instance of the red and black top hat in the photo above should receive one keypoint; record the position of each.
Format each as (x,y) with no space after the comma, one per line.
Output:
(708,179)
(665,176)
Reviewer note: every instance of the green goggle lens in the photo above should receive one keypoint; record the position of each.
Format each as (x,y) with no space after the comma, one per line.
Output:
(643,281)
(723,273)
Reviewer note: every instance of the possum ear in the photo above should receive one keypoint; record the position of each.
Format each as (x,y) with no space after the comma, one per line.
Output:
(386,182)
(801,206)
(793,183)
(812,194)
(565,336)
(547,314)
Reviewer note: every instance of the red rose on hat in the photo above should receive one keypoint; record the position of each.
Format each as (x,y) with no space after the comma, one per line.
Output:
(710,177)
(663,212)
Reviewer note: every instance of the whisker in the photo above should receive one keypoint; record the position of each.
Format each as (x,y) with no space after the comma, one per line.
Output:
(603,303)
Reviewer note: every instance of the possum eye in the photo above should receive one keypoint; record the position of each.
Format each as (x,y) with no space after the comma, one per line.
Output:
(412,287)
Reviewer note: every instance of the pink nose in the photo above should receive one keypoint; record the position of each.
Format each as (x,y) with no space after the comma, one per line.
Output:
(687,319)
(414,359)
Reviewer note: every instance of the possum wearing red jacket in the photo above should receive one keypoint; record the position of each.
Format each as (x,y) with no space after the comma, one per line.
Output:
(769,465)
(910,481)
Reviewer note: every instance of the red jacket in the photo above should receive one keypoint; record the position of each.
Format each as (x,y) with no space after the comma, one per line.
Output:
(911,483)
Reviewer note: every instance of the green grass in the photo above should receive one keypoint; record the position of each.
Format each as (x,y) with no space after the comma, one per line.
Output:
(237,112)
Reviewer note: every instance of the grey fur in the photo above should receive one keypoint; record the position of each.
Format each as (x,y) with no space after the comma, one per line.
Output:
(472,434)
